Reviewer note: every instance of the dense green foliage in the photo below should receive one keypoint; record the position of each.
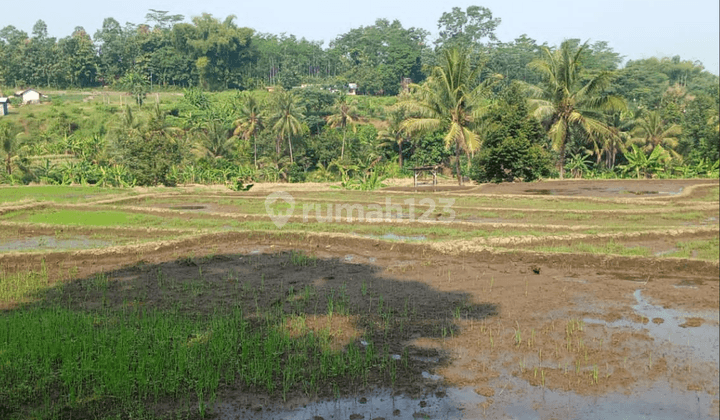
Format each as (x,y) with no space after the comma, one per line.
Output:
(514,148)
(443,105)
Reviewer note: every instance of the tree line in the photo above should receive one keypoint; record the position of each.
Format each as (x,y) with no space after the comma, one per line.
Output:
(492,111)
(217,54)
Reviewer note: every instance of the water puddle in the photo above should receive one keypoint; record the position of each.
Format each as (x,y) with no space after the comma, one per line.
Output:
(514,399)
(195,207)
(37,243)
(588,191)
(552,192)
(432,377)
(702,341)
(350,258)
(641,192)
(450,404)
(660,401)
(666,252)
(394,237)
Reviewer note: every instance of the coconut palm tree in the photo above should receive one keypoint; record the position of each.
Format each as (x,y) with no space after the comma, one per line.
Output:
(650,132)
(566,100)
(251,122)
(394,134)
(214,139)
(285,119)
(619,125)
(345,114)
(451,99)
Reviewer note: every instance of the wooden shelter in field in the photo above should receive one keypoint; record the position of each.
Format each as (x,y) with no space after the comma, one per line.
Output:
(420,169)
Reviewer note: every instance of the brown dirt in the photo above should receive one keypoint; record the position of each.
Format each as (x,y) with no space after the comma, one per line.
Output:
(651,188)
(466,306)
(461,309)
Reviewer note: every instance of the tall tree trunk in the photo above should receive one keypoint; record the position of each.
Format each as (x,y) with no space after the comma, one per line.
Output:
(290,144)
(457,164)
(255,147)
(342,150)
(562,156)
(400,162)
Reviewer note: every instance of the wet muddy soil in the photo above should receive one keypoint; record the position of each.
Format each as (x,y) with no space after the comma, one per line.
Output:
(605,188)
(494,334)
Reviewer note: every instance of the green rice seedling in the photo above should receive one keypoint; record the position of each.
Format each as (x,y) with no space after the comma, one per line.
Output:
(160,277)
(100,281)
(300,259)
(20,286)
(595,372)
(532,337)
(364,288)
(330,303)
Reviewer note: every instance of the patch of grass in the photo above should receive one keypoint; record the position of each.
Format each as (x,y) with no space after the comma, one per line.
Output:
(577,216)
(680,215)
(200,221)
(19,287)
(711,194)
(57,193)
(707,249)
(610,247)
(93,360)
(300,259)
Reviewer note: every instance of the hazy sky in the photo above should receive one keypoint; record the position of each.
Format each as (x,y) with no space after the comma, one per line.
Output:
(634,28)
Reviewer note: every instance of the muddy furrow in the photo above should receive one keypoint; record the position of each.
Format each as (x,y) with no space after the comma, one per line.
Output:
(240,242)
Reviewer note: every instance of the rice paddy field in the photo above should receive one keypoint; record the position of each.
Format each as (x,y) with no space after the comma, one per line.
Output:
(555,299)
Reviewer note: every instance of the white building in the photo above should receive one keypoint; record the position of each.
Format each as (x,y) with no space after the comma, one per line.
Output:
(29,96)
(4,106)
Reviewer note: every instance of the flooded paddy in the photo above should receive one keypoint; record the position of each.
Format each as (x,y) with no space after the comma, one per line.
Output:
(367,321)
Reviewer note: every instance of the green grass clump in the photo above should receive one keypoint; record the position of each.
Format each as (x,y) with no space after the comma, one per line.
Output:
(707,249)
(56,193)
(610,247)
(64,359)
(680,215)
(300,259)
(18,287)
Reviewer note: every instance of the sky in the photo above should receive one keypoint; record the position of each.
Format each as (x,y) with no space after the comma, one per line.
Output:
(634,28)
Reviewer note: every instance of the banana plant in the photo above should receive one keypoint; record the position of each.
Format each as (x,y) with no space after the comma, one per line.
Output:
(644,165)
(578,163)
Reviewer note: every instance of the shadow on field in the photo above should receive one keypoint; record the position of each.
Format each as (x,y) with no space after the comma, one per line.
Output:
(241,328)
